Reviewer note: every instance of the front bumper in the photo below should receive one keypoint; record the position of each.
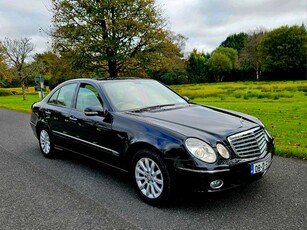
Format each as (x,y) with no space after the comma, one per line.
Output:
(233,175)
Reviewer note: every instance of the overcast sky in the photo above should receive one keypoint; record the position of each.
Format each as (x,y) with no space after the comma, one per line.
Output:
(206,23)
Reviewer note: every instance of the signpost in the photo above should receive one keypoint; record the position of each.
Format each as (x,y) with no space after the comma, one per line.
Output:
(39,80)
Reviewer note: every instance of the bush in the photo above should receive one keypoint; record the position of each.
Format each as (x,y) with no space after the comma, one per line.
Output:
(5,93)
(182,79)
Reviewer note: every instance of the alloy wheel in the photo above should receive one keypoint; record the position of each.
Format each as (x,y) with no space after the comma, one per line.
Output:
(149,178)
(45,141)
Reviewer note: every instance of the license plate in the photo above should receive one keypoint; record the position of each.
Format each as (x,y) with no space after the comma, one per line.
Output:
(260,166)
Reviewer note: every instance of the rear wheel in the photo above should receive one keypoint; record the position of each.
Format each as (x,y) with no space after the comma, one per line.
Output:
(45,143)
(152,179)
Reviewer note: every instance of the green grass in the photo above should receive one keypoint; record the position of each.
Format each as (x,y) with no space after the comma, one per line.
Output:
(15,102)
(281,106)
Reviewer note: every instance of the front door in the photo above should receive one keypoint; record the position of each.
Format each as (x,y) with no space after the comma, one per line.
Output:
(91,133)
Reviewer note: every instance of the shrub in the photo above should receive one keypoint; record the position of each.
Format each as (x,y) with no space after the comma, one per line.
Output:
(5,93)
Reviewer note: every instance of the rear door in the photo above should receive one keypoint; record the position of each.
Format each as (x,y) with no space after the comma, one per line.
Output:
(57,111)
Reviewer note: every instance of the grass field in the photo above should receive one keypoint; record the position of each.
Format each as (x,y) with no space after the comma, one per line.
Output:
(15,101)
(281,106)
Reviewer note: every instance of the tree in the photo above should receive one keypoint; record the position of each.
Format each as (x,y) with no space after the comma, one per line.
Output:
(283,50)
(231,53)
(5,74)
(114,36)
(235,41)
(55,68)
(168,63)
(16,52)
(196,66)
(248,56)
(219,64)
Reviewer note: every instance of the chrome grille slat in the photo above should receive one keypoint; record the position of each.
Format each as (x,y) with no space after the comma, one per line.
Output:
(261,143)
(249,143)
(248,147)
(258,135)
(262,147)
(253,148)
(243,146)
(243,140)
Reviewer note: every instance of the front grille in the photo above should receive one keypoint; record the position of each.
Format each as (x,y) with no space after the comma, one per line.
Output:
(249,143)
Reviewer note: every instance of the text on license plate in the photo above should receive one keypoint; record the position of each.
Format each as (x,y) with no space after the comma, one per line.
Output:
(259,167)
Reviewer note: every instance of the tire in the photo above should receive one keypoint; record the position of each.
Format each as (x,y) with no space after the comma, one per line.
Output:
(151,178)
(46,143)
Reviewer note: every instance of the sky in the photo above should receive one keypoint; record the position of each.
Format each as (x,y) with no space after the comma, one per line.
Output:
(206,23)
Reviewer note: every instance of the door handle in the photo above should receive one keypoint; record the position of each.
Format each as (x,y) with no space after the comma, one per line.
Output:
(73,118)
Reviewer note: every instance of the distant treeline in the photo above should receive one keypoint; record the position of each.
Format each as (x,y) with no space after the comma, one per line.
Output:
(113,39)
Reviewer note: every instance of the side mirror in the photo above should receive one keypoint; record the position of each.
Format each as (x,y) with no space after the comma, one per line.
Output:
(94,111)
(186,98)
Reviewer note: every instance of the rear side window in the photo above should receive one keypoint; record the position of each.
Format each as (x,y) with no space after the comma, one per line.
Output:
(54,97)
(63,96)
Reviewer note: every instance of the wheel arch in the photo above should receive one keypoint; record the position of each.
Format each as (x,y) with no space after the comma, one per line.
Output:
(134,148)
(166,174)
(39,126)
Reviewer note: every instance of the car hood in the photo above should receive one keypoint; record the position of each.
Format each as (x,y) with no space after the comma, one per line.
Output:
(207,123)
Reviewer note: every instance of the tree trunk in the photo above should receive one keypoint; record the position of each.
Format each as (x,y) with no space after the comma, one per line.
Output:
(222,77)
(257,72)
(23,87)
(218,77)
(23,83)
(113,69)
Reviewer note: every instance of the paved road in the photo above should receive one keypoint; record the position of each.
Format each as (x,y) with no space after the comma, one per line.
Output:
(73,193)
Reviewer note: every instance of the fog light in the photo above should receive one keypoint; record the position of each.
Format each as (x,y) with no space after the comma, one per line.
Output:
(216,184)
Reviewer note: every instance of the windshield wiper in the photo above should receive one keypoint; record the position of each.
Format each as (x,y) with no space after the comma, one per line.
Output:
(149,108)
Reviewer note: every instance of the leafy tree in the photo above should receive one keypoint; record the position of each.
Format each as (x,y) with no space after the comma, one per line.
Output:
(16,52)
(284,49)
(219,64)
(196,66)
(55,68)
(5,74)
(231,53)
(114,36)
(235,41)
(170,64)
(248,56)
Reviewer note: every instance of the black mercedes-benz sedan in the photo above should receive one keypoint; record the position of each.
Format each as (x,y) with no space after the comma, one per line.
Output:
(142,127)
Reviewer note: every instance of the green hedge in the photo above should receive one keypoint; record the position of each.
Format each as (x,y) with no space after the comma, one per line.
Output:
(5,93)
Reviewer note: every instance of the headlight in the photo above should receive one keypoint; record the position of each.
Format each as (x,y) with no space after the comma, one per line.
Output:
(222,151)
(201,150)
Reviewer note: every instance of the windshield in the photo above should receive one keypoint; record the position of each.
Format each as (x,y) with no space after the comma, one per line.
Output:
(137,95)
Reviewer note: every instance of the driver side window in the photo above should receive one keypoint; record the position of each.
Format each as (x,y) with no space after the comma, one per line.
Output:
(88,96)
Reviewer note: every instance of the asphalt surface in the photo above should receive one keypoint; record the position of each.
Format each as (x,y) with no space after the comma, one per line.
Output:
(71,192)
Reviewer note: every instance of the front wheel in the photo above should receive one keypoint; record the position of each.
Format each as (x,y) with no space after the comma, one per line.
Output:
(152,179)
(45,143)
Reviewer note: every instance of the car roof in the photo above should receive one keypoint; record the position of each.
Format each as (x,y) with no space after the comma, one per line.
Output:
(97,80)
